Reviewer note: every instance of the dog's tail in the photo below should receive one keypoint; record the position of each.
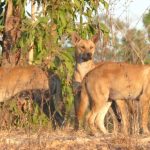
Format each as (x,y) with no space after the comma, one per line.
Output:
(83,104)
(56,98)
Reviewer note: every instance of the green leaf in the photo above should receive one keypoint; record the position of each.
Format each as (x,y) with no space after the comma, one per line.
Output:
(77,4)
(104,28)
(67,56)
(63,18)
(106,5)
(1,27)
(60,30)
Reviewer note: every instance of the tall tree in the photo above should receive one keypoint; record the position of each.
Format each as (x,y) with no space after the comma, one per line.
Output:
(12,25)
(48,35)
(31,51)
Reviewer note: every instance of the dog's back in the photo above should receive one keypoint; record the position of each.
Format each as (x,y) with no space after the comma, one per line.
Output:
(18,79)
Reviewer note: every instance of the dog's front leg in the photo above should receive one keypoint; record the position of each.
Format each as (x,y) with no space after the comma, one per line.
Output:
(76,91)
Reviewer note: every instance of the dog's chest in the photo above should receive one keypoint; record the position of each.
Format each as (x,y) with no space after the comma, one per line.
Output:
(84,68)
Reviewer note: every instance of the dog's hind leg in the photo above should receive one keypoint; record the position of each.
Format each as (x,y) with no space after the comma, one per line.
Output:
(99,105)
(101,117)
(55,92)
(99,108)
(91,120)
(115,119)
(144,103)
(124,113)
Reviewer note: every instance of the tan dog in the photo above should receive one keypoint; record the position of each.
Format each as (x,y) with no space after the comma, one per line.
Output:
(84,63)
(42,85)
(18,79)
(84,55)
(114,81)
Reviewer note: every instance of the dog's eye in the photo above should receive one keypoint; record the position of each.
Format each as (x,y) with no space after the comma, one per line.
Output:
(83,47)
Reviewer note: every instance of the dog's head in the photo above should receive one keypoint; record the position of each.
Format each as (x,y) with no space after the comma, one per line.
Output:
(84,48)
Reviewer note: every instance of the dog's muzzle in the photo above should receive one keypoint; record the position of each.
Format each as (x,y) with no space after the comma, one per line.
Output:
(86,56)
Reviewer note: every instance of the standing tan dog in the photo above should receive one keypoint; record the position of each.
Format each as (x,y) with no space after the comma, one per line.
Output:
(84,63)
(134,83)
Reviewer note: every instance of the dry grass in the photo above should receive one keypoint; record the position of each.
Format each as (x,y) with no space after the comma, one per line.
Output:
(67,139)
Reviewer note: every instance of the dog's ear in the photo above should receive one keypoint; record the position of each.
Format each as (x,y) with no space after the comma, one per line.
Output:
(75,38)
(96,37)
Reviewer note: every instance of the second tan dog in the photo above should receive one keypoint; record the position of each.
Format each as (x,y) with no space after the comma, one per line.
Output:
(43,85)
(133,84)
(84,63)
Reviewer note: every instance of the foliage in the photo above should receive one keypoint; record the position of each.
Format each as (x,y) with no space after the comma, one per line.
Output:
(123,43)
(12,116)
(134,46)
(146,21)
(48,34)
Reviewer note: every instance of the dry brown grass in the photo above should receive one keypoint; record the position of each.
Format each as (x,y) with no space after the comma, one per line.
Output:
(67,139)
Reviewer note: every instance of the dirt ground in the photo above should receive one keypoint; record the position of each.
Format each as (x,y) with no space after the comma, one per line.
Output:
(67,139)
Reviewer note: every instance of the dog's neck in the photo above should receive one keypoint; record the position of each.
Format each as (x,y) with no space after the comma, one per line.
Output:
(81,69)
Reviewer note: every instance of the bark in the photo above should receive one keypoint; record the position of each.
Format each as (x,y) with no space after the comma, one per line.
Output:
(31,51)
(11,32)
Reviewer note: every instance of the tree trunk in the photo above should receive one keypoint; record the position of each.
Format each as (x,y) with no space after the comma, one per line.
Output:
(7,39)
(12,20)
(31,51)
